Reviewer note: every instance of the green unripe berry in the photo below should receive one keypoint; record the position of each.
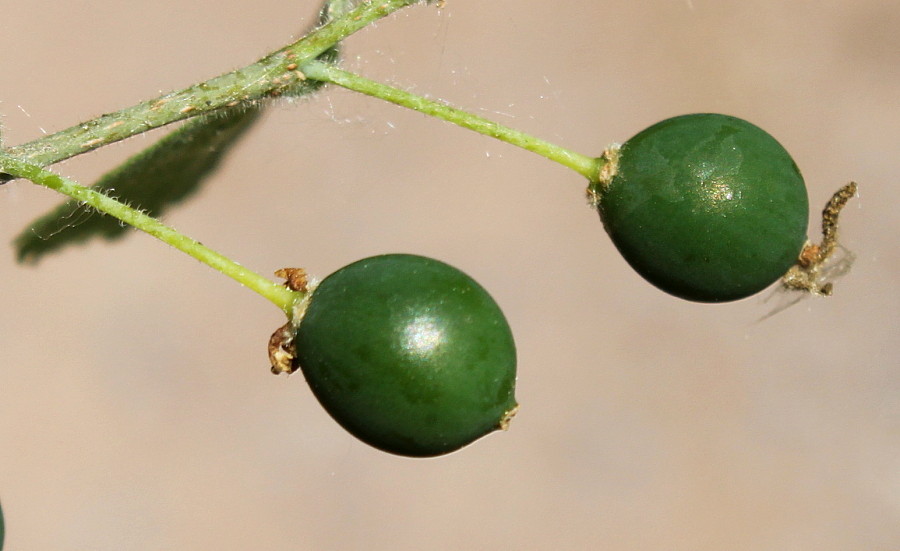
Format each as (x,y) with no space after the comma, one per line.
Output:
(409,354)
(706,207)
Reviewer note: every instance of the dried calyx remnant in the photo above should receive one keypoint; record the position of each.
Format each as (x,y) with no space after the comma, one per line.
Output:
(807,274)
(281,344)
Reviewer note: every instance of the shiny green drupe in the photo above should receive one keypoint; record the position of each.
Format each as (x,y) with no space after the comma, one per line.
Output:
(409,354)
(706,207)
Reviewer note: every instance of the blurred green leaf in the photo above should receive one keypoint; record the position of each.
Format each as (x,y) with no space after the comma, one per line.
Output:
(158,177)
(2,529)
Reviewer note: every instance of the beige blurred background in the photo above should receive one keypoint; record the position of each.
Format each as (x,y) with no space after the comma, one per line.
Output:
(136,406)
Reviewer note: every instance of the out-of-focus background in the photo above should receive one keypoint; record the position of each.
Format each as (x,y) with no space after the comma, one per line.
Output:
(136,406)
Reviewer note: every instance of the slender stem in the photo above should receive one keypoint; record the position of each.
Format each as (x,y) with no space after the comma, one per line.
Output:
(279,295)
(589,167)
(271,76)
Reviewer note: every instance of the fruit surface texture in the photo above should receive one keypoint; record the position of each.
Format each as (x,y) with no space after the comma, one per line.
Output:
(409,354)
(706,207)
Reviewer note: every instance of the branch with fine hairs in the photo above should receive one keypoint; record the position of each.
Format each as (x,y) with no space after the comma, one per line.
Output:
(589,167)
(277,294)
(269,77)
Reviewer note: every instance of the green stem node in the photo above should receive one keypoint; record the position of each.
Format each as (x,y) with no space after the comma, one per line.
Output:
(277,294)
(589,167)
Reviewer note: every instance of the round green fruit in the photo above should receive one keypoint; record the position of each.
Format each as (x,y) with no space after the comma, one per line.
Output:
(706,207)
(408,354)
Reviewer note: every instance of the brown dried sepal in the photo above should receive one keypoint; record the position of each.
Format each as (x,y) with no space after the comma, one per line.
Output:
(295,279)
(282,354)
(608,171)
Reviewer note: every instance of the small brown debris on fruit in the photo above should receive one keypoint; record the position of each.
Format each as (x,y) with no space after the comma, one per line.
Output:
(508,417)
(808,255)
